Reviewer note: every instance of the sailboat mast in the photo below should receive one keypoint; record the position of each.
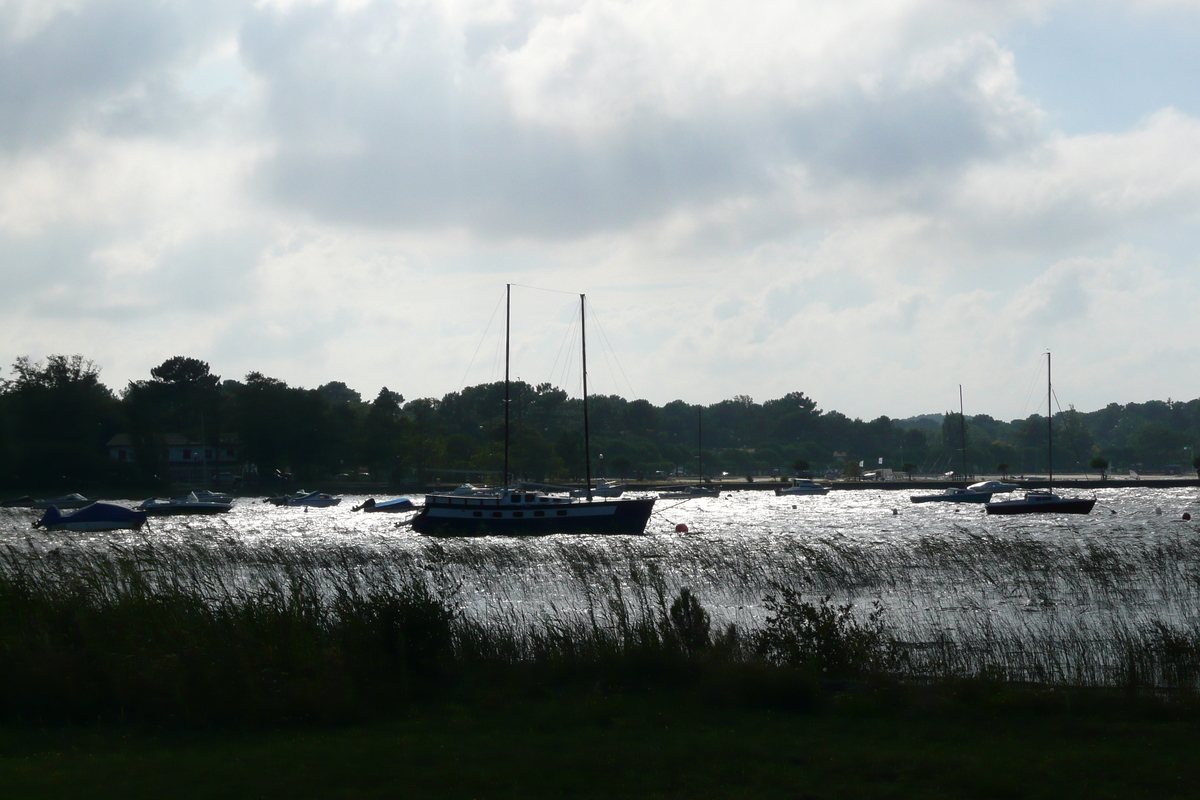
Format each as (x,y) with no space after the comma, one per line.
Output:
(1049,424)
(507,338)
(700,443)
(962,421)
(587,453)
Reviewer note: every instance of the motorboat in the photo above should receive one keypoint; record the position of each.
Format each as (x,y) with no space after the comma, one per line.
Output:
(206,496)
(190,503)
(689,492)
(955,494)
(1045,501)
(995,487)
(314,500)
(387,506)
(803,486)
(602,489)
(92,517)
(528,512)
(66,501)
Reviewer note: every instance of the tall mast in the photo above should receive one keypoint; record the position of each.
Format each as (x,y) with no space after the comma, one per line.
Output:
(700,443)
(1049,424)
(507,330)
(587,453)
(962,421)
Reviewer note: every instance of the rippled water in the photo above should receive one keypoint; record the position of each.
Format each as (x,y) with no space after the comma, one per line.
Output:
(941,572)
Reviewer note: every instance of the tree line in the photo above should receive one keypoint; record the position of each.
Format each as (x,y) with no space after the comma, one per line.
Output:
(56,417)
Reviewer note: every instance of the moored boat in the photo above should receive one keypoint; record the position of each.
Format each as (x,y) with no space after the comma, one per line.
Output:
(66,501)
(515,512)
(387,506)
(955,494)
(313,500)
(1045,501)
(803,486)
(187,504)
(93,517)
(522,512)
(689,492)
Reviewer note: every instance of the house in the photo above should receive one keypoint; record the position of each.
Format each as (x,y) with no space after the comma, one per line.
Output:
(186,460)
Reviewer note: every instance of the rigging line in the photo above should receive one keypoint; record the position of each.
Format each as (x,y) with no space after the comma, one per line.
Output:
(568,339)
(480,345)
(1029,392)
(543,289)
(607,349)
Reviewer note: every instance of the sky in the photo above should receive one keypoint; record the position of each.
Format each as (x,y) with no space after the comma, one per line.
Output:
(873,202)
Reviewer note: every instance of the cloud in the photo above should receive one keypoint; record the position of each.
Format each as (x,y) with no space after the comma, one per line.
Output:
(599,116)
(856,200)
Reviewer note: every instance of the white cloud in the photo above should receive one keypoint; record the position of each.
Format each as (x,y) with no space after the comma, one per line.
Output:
(854,200)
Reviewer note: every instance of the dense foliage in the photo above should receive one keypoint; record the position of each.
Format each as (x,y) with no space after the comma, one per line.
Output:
(56,416)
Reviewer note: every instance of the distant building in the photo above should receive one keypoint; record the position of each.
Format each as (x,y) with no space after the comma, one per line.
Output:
(186,460)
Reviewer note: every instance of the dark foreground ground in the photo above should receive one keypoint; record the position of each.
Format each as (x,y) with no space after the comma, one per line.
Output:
(655,745)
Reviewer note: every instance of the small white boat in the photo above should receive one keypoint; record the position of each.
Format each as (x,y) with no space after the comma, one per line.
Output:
(601,489)
(66,501)
(688,492)
(803,486)
(93,517)
(955,494)
(314,500)
(995,487)
(387,506)
(190,503)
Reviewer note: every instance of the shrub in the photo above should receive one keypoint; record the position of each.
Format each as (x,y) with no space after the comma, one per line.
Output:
(823,637)
(690,621)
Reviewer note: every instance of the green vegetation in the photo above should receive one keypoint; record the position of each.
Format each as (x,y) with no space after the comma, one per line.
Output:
(55,418)
(240,635)
(200,668)
(970,740)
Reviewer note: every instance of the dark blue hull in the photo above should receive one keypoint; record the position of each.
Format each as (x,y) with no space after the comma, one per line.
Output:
(450,516)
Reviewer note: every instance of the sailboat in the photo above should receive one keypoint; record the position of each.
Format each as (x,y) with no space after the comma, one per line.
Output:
(699,490)
(513,511)
(1045,501)
(957,494)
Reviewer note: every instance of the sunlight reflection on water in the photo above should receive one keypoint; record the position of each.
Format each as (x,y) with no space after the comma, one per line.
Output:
(931,566)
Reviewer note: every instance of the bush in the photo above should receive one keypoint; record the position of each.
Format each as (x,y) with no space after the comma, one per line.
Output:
(824,638)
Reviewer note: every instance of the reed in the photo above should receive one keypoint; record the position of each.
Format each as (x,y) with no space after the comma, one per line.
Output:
(235,631)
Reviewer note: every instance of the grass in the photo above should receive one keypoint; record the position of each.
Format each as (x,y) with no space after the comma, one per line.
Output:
(201,669)
(204,633)
(661,743)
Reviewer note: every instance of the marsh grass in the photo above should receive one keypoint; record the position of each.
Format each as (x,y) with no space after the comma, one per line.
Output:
(228,631)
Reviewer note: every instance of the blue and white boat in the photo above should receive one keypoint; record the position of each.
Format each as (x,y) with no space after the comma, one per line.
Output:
(94,517)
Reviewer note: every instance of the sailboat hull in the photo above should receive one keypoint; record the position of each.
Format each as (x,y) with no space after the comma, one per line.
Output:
(1052,504)
(445,515)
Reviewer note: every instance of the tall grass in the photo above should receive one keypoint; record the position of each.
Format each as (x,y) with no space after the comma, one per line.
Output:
(214,631)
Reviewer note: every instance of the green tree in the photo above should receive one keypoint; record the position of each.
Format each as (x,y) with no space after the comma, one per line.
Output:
(59,417)
(1100,464)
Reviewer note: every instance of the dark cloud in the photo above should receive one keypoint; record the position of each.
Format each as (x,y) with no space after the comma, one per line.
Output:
(386,117)
(90,65)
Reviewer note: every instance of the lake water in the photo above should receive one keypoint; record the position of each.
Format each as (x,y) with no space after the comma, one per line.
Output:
(1029,593)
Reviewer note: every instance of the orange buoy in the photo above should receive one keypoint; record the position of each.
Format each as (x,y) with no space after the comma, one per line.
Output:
(681,528)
